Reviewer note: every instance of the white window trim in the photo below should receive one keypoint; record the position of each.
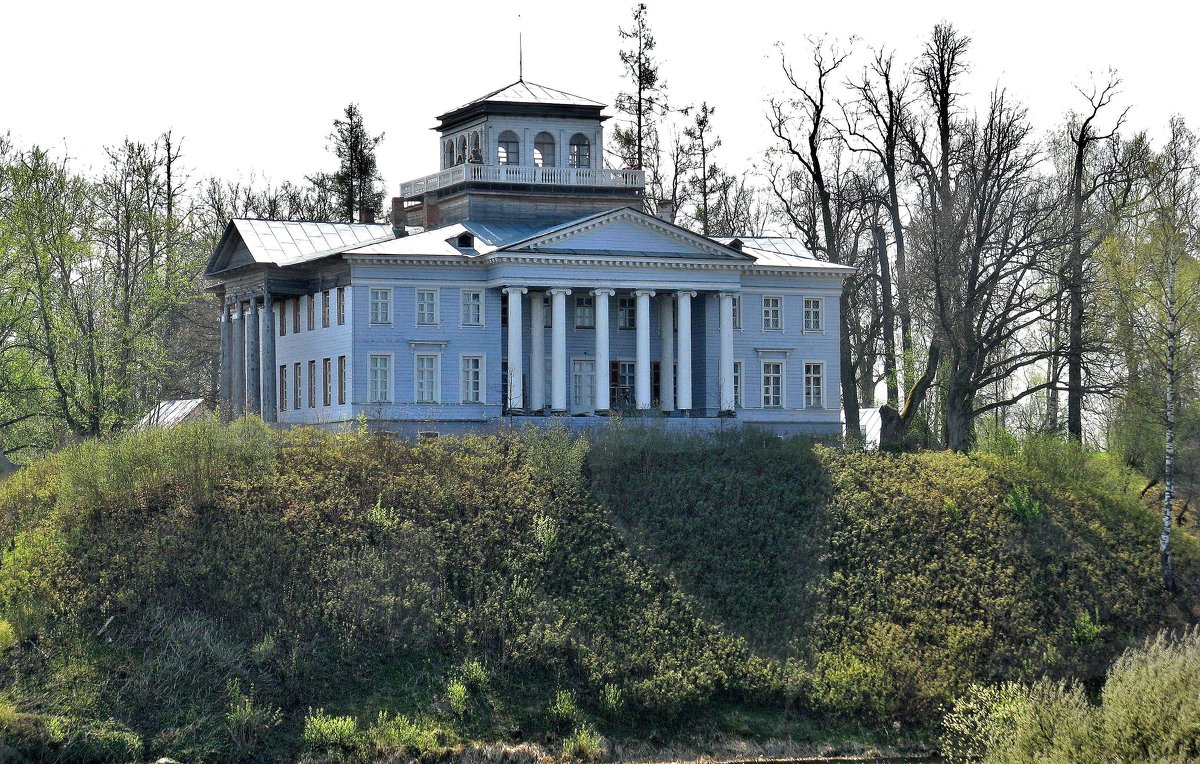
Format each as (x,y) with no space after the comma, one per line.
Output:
(391,303)
(739,395)
(437,306)
(804,385)
(462,301)
(617,311)
(738,324)
(820,315)
(462,389)
(391,380)
(575,312)
(762,383)
(766,297)
(437,378)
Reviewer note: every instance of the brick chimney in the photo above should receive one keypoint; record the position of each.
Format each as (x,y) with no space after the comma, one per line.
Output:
(366,216)
(398,217)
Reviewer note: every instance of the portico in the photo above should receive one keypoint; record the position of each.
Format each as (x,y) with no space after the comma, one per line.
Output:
(662,368)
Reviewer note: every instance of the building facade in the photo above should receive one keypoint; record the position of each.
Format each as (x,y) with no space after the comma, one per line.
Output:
(523,280)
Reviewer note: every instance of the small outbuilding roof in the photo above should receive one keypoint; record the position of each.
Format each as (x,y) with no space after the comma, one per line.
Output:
(171,413)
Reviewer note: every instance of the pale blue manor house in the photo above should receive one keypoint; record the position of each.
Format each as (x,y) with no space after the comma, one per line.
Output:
(523,281)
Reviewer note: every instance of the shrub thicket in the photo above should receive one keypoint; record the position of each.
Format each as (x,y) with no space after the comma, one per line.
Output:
(202,591)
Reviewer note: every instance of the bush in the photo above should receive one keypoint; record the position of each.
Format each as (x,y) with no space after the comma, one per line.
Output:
(54,739)
(397,735)
(248,723)
(325,734)
(563,711)
(583,744)
(7,637)
(457,696)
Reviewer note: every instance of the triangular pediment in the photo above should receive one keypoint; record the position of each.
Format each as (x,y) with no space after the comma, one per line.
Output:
(625,232)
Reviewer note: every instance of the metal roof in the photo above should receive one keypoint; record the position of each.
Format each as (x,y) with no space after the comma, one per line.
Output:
(288,242)
(530,92)
(171,413)
(782,252)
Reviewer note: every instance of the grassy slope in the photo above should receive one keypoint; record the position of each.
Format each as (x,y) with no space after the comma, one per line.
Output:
(525,587)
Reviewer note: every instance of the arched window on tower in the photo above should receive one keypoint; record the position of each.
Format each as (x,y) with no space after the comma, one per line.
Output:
(474,155)
(508,148)
(581,151)
(460,155)
(543,150)
(448,155)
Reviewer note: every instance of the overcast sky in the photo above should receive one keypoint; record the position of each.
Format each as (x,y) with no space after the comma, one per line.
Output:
(254,86)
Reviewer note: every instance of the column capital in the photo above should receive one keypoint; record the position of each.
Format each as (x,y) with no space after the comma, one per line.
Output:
(516,290)
(559,290)
(643,293)
(686,293)
(728,293)
(603,292)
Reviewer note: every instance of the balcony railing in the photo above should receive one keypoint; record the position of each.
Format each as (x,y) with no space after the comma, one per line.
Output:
(537,176)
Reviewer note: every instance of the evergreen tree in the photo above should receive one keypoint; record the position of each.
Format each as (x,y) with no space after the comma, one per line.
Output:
(636,141)
(357,184)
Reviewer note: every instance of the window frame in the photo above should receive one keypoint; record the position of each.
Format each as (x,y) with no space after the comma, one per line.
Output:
(590,307)
(820,386)
(390,369)
(437,377)
(311,323)
(463,308)
(341,306)
(574,154)
(739,383)
(737,312)
(539,142)
(516,150)
(765,309)
(296,315)
(782,375)
(626,309)
(417,305)
(283,387)
(283,318)
(312,383)
(325,309)
(820,314)
(341,379)
(462,378)
(387,301)
(297,385)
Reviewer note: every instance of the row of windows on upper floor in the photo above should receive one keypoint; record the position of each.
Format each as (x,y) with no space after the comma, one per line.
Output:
(292,307)
(428,312)
(464,149)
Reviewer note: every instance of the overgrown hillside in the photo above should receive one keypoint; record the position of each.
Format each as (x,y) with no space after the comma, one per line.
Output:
(213,593)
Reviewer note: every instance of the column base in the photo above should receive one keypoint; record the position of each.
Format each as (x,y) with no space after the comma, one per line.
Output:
(727,414)
(603,412)
(558,412)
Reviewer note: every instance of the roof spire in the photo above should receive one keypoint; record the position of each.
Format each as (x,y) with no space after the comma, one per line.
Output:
(520,52)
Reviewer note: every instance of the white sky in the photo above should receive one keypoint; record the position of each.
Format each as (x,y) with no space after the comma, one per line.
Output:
(254,86)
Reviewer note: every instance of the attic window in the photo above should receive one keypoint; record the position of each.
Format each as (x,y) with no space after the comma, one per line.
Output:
(465,241)
(508,148)
(543,150)
(736,244)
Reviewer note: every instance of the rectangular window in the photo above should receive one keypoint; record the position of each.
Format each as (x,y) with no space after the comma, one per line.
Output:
(381,306)
(472,308)
(296,316)
(626,313)
(737,311)
(472,379)
(812,314)
(341,305)
(312,312)
(737,384)
(772,384)
(427,312)
(504,311)
(325,309)
(341,380)
(312,384)
(772,314)
(547,312)
(814,385)
(379,382)
(585,312)
(296,381)
(283,319)
(327,381)
(621,384)
(283,387)
(425,383)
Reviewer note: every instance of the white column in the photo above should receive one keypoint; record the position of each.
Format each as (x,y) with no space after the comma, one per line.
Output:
(642,367)
(537,352)
(516,387)
(270,379)
(253,381)
(683,398)
(226,380)
(725,375)
(666,331)
(558,350)
(237,405)
(603,404)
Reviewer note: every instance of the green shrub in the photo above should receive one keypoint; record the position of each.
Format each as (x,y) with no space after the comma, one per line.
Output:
(563,711)
(7,637)
(582,745)
(54,739)
(248,723)
(328,734)
(397,735)
(457,696)
(1022,503)
(612,700)
(474,675)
